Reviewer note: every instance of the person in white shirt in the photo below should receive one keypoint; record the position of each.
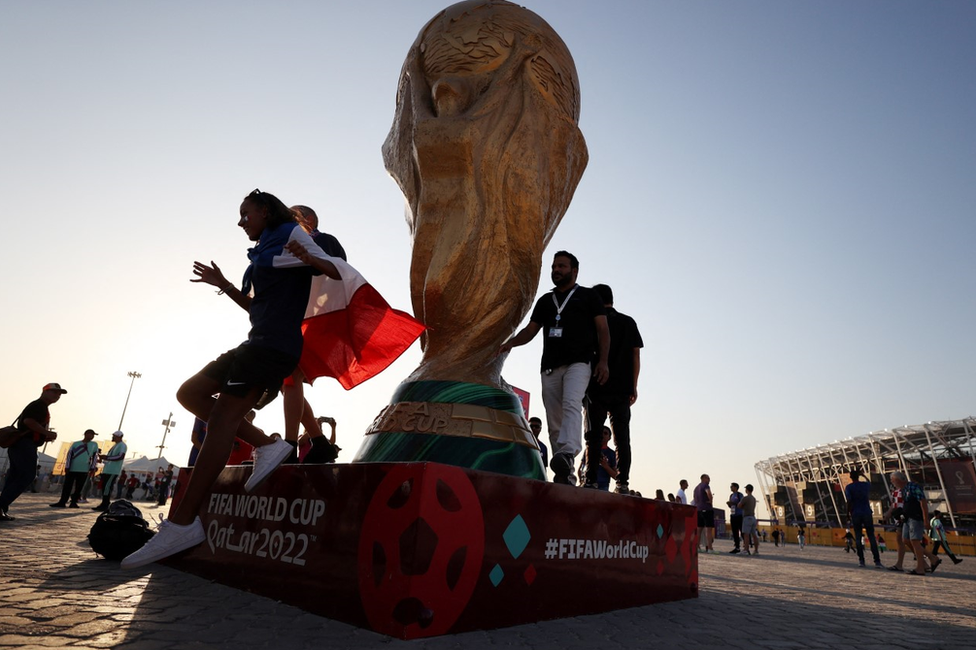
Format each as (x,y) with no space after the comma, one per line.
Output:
(681,496)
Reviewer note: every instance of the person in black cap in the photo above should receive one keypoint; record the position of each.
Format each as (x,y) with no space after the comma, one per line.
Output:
(33,425)
(81,458)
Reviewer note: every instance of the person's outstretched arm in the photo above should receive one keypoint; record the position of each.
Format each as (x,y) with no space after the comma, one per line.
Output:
(212,275)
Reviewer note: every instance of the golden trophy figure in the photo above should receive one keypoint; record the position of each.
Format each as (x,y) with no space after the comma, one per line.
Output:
(485,146)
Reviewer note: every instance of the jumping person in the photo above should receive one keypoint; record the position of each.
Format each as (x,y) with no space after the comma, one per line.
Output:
(250,375)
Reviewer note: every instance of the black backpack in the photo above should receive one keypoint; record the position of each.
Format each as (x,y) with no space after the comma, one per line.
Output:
(119,531)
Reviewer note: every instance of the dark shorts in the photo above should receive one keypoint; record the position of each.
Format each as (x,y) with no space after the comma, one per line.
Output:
(247,367)
(706,519)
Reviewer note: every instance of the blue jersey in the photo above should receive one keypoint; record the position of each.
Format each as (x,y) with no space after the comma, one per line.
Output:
(281,290)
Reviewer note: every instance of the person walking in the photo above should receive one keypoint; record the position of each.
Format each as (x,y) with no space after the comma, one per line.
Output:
(33,425)
(915,514)
(574,322)
(614,398)
(938,534)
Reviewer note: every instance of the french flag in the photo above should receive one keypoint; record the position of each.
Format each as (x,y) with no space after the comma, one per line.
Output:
(351,333)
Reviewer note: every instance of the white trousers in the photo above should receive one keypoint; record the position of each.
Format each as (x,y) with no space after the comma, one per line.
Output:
(562,395)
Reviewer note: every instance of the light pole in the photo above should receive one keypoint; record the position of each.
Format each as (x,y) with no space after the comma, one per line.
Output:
(135,375)
(168,422)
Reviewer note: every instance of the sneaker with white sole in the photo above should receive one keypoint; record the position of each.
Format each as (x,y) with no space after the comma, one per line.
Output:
(169,540)
(266,460)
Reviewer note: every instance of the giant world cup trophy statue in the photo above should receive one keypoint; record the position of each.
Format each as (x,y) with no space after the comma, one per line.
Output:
(454,536)
(487,150)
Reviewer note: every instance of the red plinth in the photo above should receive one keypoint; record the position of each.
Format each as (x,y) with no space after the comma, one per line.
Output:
(421,549)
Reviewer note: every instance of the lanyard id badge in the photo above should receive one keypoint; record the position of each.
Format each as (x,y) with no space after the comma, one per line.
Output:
(556,332)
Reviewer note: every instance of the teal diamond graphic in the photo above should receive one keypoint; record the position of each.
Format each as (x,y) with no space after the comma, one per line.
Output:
(516,536)
(660,531)
(496,575)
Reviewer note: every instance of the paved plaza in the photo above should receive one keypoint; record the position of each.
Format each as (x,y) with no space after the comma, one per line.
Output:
(54,592)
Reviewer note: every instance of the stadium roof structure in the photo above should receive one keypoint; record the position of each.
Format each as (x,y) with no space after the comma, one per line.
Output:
(808,485)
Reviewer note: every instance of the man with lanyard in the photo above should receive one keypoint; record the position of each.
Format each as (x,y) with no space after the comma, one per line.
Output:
(33,425)
(111,470)
(735,517)
(619,393)
(575,333)
(858,495)
(81,457)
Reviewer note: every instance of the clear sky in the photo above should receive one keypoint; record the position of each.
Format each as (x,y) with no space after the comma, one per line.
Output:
(783,195)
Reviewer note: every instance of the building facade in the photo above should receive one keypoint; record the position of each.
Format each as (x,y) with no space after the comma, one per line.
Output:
(807,486)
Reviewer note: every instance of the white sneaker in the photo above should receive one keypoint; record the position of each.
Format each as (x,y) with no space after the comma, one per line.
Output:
(169,539)
(266,460)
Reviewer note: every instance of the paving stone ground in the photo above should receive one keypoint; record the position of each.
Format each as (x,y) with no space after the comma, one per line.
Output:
(54,592)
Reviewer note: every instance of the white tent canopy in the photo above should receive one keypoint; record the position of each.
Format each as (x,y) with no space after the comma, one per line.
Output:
(147,464)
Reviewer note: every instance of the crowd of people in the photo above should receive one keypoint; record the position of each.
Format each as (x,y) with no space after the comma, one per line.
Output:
(908,516)
(589,373)
(275,292)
